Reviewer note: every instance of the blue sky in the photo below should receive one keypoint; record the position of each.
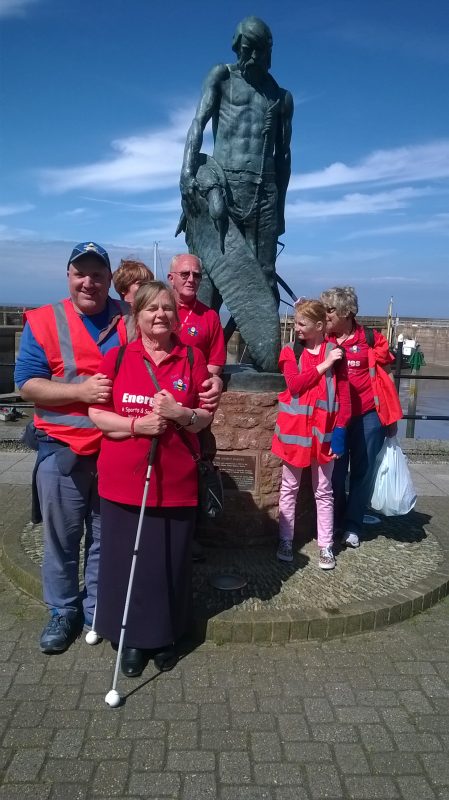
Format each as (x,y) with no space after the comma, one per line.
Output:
(97,98)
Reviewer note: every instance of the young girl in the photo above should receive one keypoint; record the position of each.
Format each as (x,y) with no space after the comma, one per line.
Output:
(310,428)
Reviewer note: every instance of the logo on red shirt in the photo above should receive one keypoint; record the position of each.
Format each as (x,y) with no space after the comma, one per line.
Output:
(179,385)
(192,331)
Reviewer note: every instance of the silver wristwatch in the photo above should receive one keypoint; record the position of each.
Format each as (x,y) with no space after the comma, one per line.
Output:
(192,419)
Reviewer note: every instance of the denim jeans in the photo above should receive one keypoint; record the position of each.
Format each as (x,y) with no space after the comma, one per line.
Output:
(365,437)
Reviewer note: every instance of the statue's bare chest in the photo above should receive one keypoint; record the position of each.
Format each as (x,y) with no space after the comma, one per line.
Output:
(241,99)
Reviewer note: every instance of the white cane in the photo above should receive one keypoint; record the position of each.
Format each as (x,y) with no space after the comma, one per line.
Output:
(92,636)
(113,698)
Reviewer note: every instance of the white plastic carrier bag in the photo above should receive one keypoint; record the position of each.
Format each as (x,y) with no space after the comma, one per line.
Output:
(393,493)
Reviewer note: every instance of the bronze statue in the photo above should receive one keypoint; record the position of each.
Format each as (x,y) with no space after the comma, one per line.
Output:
(233,202)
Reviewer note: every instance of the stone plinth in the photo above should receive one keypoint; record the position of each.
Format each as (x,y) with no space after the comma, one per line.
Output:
(243,429)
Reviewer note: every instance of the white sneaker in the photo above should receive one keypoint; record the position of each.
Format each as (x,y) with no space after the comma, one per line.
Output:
(327,560)
(285,550)
(350,539)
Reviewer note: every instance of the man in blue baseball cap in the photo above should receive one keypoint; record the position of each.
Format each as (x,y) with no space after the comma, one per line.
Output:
(89,249)
(61,347)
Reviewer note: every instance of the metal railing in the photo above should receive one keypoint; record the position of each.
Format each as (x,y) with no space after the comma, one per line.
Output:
(411,416)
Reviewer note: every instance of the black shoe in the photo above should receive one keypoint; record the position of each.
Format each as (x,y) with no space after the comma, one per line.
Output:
(166,659)
(60,631)
(133,662)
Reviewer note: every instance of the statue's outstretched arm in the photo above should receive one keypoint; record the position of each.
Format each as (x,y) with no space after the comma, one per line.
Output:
(209,102)
(283,156)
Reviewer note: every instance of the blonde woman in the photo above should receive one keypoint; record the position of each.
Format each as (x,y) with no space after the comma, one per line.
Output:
(161,599)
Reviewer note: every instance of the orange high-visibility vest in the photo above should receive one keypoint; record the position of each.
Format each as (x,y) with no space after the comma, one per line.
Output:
(72,356)
(305,423)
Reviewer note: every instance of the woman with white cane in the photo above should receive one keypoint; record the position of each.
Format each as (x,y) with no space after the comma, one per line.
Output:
(157,596)
(113,698)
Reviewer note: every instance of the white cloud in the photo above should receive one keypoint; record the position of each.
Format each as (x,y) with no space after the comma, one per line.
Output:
(140,163)
(300,98)
(360,256)
(163,207)
(152,161)
(158,233)
(398,279)
(34,270)
(297,259)
(14,8)
(400,165)
(439,224)
(74,212)
(355,203)
(18,208)
(8,234)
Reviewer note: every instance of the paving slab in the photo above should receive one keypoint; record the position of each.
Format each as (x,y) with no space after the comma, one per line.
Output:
(401,568)
(310,719)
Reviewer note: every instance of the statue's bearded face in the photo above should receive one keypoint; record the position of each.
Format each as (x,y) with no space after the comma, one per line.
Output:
(254,57)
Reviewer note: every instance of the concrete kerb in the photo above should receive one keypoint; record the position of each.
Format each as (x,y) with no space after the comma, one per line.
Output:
(274,627)
(19,568)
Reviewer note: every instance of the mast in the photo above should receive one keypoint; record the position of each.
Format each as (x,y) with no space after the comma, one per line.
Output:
(155,253)
(285,326)
(390,322)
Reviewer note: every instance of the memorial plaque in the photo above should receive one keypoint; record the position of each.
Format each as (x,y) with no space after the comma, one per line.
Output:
(238,471)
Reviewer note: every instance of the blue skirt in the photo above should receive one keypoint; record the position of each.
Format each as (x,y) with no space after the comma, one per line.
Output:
(160,609)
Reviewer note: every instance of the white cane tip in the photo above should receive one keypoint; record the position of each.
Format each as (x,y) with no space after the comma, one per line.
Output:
(92,637)
(112,698)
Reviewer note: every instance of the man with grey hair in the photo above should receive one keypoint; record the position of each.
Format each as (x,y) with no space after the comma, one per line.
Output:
(200,326)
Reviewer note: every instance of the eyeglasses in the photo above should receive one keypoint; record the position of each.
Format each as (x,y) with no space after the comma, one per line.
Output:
(196,276)
(330,309)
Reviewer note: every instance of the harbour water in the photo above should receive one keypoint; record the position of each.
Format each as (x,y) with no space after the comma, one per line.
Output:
(433,398)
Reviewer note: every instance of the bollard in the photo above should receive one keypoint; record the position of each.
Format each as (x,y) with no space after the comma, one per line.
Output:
(398,366)
(411,408)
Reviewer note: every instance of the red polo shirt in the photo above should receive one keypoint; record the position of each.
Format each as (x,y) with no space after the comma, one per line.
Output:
(122,465)
(360,386)
(201,327)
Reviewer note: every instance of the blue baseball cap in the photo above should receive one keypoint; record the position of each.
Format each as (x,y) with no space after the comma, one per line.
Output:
(89,249)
